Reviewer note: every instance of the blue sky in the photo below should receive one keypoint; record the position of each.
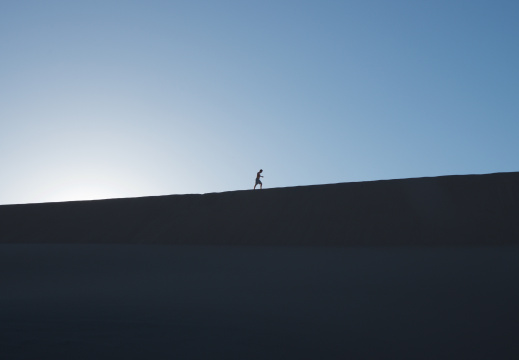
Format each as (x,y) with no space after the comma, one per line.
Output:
(104,99)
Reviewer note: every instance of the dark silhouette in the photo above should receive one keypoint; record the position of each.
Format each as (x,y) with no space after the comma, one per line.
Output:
(258,181)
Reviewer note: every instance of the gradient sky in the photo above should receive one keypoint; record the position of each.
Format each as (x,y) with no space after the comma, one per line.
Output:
(105,98)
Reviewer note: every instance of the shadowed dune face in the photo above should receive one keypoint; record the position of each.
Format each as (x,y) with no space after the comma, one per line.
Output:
(450,210)
(78,280)
(119,301)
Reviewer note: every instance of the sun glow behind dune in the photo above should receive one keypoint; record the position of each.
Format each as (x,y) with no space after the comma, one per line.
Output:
(81,192)
(58,183)
(85,185)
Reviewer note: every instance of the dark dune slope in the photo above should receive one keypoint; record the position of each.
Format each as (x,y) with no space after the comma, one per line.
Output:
(449,210)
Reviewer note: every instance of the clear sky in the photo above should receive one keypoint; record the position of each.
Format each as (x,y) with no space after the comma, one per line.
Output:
(106,98)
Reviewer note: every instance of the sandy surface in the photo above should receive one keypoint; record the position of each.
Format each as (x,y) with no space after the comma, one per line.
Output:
(188,302)
(443,211)
(406,269)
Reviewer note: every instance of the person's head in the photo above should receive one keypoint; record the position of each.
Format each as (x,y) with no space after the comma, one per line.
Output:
(261,170)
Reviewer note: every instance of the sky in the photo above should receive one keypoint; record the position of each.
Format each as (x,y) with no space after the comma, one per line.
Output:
(126,98)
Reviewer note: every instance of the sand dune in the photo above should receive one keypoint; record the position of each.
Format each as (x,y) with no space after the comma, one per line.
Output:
(421,269)
(449,210)
(238,302)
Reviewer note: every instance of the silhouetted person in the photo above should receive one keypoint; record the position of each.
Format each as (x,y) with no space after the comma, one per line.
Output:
(258,181)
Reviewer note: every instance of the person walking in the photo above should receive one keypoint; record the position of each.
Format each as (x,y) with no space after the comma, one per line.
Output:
(258,181)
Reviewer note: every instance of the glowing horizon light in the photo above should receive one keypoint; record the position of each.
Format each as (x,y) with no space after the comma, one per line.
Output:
(79,186)
(81,192)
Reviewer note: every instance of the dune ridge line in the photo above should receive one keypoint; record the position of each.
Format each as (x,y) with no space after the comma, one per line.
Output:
(459,210)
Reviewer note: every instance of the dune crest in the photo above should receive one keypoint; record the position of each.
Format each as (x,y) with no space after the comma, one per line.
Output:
(437,211)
